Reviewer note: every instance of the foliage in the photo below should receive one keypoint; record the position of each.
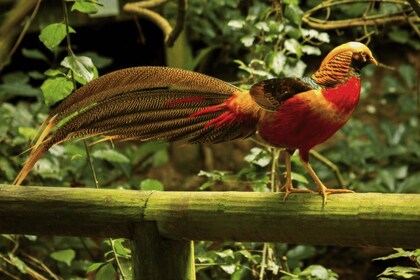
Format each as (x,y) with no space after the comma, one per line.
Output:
(265,41)
(272,41)
(402,272)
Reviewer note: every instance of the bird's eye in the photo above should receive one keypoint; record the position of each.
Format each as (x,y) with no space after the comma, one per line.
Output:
(363,54)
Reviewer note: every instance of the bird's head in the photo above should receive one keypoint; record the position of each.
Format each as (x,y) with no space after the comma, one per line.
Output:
(342,61)
(361,55)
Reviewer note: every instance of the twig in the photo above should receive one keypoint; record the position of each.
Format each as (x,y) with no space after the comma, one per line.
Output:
(11,26)
(149,3)
(117,260)
(9,274)
(25,28)
(92,168)
(160,21)
(263,261)
(373,20)
(274,169)
(142,9)
(33,273)
(42,265)
(415,5)
(179,25)
(332,166)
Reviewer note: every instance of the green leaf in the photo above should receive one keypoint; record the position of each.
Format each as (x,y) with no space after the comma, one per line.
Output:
(151,185)
(248,40)
(258,157)
(119,247)
(294,14)
(206,185)
(263,26)
(54,72)
(318,272)
(56,89)
(299,178)
(401,253)
(17,84)
(228,253)
(65,256)
(293,46)
(94,266)
(98,60)
(241,273)
(410,185)
(85,6)
(228,268)
(301,252)
(52,35)
(82,67)
(18,263)
(311,50)
(36,75)
(106,272)
(401,271)
(247,254)
(27,132)
(295,69)
(34,54)
(17,77)
(260,186)
(111,156)
(276,61)
(236,24)
(323,37)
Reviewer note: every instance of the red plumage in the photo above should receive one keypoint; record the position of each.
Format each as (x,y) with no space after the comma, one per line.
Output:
(304,121)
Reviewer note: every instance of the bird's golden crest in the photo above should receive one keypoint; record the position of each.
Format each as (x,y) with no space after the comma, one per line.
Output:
(343,62)
(353,47)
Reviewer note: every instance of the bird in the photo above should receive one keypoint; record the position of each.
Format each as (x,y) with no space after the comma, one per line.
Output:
(162,103)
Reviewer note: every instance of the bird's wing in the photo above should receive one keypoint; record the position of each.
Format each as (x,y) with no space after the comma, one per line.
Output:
(270,94)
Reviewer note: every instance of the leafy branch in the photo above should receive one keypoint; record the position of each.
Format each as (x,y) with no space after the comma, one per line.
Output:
(399,17)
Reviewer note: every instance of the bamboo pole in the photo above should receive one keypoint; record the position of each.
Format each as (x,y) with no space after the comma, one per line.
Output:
(369,219)
(156,258)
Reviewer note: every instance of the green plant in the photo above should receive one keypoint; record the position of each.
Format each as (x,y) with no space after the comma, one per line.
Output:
(402,272)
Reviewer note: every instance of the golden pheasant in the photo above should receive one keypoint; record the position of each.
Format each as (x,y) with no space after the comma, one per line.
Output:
(145,103)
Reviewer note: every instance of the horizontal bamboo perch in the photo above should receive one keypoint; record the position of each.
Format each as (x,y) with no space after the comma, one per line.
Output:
(369,219)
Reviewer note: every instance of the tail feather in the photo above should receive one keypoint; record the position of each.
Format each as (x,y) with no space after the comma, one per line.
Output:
(139,78)
(147,106)
(34,156)
(131,80)
(144,103)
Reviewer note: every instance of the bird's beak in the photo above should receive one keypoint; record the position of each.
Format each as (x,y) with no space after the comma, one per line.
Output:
(373,60)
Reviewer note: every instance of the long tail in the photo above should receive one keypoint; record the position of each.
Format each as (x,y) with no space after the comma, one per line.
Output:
(145,103)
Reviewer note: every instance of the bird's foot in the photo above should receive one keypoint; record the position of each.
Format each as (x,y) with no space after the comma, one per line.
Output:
(324,191)
(290,189)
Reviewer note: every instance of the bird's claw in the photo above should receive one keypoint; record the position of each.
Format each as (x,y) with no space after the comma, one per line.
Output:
(325,191)
(290,189)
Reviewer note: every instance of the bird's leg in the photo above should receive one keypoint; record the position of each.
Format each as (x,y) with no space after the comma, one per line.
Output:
(288,186)
(322,188)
